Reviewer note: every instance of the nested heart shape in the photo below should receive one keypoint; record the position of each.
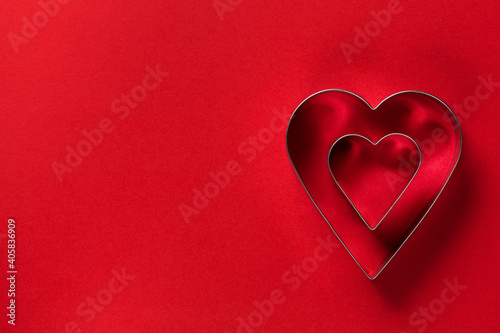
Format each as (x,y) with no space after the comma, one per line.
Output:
(373,176)
(321,121)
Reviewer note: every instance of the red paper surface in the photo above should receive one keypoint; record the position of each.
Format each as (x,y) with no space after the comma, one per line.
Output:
(106,248)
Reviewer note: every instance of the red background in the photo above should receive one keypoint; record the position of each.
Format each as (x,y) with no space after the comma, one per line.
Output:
(119,207)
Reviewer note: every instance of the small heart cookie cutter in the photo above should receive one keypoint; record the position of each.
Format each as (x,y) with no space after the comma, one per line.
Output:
(430,204)
(374,144)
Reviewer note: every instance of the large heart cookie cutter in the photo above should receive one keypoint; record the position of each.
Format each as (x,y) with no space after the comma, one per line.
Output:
(324,118)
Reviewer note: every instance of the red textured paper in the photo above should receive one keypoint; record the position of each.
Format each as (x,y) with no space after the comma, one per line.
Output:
(231,81)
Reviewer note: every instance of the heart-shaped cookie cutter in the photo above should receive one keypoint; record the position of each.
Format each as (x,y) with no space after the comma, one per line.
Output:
(411,229)
(374,144)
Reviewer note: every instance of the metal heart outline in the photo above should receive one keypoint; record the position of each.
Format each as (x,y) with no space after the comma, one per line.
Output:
(393,254)
(374,144)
